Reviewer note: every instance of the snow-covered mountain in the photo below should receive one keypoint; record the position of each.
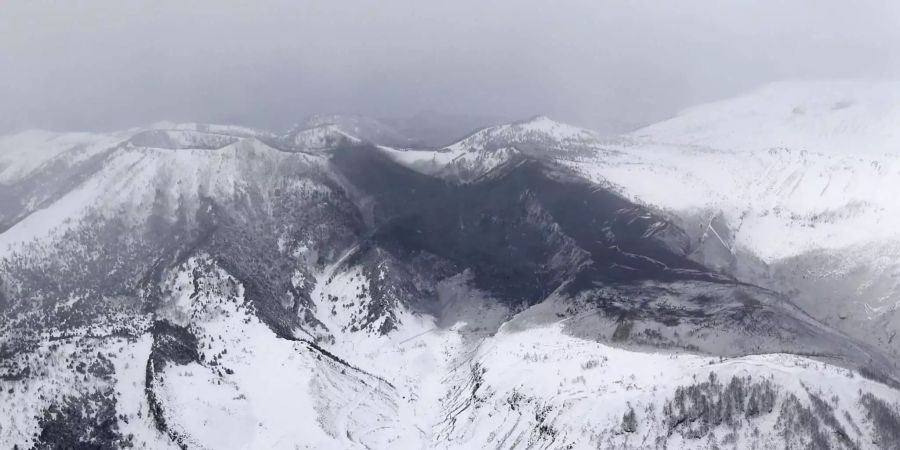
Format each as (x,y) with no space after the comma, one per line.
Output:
(319,138)
(486,149)
(832,117)
(799,176)
(530,286)
(365,128)
(790,187)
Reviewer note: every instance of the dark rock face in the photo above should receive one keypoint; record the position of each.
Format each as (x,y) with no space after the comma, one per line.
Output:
(172,344)
(523,231)
(529,229)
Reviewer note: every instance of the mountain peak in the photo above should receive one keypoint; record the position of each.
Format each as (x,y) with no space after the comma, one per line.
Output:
(536,134)
(362,128)
(320,137)
(537,119)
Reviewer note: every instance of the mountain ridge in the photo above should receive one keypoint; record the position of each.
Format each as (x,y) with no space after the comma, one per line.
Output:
(520,287)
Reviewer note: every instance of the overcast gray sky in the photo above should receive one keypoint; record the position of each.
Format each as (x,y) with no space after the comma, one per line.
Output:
(112,64)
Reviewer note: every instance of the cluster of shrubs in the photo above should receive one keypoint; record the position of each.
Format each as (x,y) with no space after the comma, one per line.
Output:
(885,419)
(82,421)
(697,409)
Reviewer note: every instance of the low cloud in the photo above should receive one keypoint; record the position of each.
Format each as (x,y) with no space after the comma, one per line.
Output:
(602,64)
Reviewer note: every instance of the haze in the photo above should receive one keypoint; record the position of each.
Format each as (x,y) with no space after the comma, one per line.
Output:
(607,65)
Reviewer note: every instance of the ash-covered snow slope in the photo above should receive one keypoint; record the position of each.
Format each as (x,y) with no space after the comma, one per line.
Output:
(790,186)
(784,184)
(217,287)
(779,202)
(778,217)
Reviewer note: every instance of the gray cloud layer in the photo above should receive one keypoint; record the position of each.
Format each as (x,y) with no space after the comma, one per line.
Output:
(111,64)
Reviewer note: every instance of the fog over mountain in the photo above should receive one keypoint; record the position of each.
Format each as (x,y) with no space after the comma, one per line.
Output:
(495,225)
(605,65)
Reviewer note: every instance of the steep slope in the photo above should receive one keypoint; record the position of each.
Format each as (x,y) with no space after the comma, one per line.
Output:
(779,202)
(38,167)
(532,230)
(790,187)
(147,206)
(482,151)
